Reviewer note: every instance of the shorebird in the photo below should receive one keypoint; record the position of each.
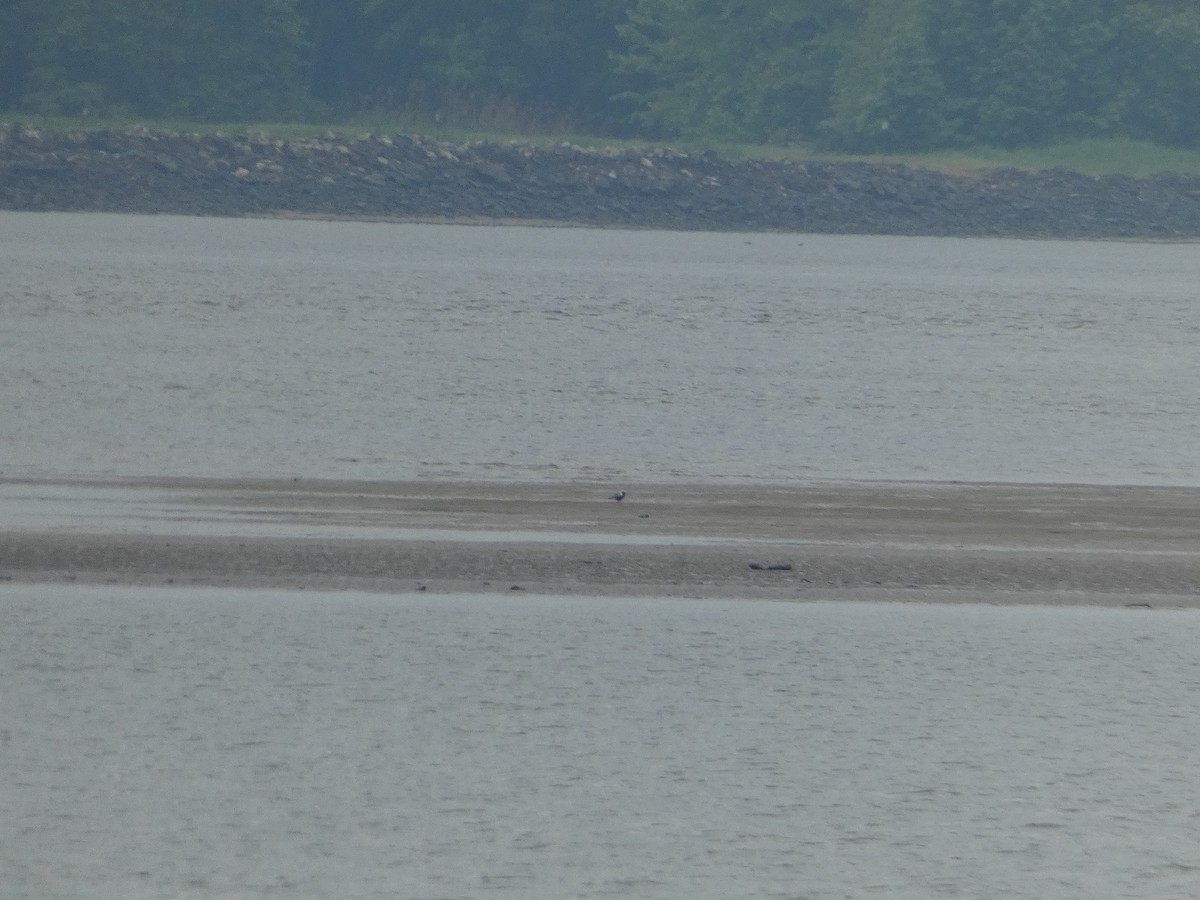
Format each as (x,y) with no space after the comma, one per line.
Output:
(618,496)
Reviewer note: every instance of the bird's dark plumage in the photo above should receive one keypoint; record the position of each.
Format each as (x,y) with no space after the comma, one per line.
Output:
(618,496)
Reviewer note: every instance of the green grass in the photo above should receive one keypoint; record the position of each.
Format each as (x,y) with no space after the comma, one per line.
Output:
(1093,156)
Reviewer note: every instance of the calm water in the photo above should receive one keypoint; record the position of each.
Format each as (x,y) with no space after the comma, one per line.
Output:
(195,743)
(201,743)
(160,345)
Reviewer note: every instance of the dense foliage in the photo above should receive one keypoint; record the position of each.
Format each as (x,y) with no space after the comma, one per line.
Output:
(855,74)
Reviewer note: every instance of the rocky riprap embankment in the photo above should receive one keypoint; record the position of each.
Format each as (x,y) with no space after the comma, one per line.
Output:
(145,171)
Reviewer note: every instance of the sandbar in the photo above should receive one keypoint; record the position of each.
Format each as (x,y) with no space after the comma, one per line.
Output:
(931,542)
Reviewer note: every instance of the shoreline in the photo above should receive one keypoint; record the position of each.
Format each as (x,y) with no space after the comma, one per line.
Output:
(512,222)
(927,542)
(377,177)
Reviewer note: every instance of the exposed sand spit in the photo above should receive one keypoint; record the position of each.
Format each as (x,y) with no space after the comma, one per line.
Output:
(952,542)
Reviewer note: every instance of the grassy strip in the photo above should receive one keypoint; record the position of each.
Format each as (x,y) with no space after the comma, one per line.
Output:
(1095,156)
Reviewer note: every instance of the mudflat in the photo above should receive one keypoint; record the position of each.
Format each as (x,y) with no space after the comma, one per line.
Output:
(997,543)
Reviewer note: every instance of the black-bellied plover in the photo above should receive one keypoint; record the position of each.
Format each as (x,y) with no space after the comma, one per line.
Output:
(618,496)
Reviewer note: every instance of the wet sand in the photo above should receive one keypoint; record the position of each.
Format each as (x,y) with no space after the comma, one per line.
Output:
(1115,546)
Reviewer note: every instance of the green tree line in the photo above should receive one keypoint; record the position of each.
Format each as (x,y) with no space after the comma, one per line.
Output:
(859,75)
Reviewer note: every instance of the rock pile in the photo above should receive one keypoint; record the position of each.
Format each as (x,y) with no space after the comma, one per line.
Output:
(402,177)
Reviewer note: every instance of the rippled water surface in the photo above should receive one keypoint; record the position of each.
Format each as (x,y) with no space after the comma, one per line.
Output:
(200,743)
(162,345)
(204,743)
